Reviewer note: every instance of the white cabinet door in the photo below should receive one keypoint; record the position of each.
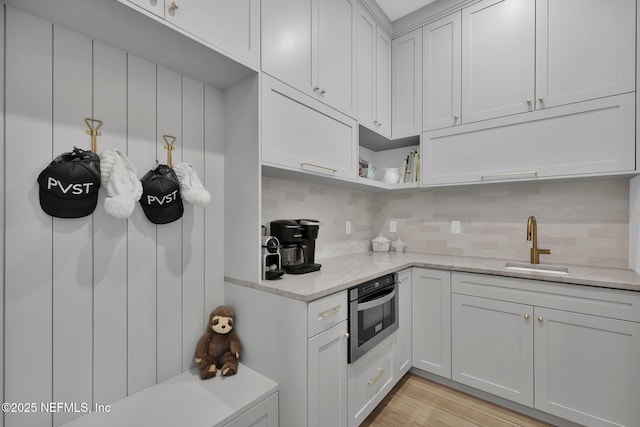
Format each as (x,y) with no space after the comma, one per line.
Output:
(302,134)
(310,45)
(588,138)
(264,414)
(366,69)
(373,75)
(587,368)
(231,26)
(383,83)
(327,378)
(431,314)
(402,343)
(406,91)
(498,53)
(584,50)
(287,48)
(492,346)
(336,54)
(442,73)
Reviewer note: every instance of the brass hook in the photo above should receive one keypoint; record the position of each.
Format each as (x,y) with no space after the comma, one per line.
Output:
(168,145)
(93,131)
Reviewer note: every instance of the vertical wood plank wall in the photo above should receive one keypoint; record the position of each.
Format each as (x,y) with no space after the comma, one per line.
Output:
(98,308)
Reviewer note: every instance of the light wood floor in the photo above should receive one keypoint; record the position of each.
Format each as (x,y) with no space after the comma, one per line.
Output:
(415,401)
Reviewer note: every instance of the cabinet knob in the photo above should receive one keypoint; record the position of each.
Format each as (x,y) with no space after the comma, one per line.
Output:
(346,335)
(529,101)
(540,318)
(379,124)
(173,6)
(317,88)
(375,123)
(455,117)
(322,92)
(526,316)
(541,99)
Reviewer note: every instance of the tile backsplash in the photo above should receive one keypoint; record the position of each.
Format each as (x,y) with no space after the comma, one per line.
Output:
(583,222)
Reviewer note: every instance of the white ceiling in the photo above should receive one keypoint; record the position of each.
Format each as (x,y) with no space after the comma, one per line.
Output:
(398,8)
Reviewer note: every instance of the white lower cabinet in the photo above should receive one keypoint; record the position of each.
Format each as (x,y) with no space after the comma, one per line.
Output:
(327,377)
(587,368)
(492,347)
(370,379)
(264,414)
(302,134)
(402,338)
(577,347)
(431,320)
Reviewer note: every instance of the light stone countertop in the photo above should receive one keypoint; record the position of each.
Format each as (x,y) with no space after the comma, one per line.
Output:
(342,272)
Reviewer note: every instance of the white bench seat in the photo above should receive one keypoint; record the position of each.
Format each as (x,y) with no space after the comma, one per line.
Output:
(185,400)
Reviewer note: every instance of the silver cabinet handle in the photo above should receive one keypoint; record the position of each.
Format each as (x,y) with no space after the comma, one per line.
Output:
(502,175)
(529,101)
(332,170)
(541,99)
(526,316)
(173,6)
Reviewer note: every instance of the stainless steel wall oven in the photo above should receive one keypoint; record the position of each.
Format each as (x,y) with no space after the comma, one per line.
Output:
(373,314)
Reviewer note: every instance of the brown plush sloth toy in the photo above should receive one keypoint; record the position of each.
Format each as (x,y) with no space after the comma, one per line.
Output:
(219,347)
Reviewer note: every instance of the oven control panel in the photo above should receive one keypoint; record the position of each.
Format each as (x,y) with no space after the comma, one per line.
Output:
(372,286)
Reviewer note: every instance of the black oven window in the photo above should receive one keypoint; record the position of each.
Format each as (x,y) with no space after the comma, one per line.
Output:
(374,320)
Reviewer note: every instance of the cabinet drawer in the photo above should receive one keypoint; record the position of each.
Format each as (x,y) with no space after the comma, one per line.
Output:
(370,379)
(326,312)
(613,303)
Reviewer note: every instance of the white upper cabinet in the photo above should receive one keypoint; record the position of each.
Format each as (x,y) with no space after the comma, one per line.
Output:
(498,43)
(406,90)
(584,50)
(442,72)
(521,55)
(310,45)
(233,27)
(374,75)
(304,135)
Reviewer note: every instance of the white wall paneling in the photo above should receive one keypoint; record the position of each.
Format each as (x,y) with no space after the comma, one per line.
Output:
(169,259)
(72,242)
(28,232)
(192,145)
(110,235)
(98,308)
(2,197)
(141,235)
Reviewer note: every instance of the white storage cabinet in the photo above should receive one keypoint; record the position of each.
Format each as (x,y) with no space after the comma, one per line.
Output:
(406,88)
(431,314)
(442,72)
(233,27)
(402,344)
(302,134)
(310,45)
(374,75)
(577,347)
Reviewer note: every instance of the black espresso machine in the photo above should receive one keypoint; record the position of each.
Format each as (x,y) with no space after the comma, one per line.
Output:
(298,244)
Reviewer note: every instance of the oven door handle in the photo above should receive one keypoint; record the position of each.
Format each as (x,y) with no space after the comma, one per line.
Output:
(377,302)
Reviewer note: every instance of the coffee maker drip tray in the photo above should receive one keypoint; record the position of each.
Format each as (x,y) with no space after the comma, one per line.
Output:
(301,268)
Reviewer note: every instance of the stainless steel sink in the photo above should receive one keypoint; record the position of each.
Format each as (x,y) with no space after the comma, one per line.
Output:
(536,268)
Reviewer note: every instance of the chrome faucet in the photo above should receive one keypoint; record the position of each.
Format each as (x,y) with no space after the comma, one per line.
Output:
(532,235)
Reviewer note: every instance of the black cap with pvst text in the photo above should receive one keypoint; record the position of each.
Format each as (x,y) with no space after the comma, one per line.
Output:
(161,201)
(69,185)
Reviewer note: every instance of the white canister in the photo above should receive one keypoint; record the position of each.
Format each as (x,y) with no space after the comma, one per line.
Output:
(391,175)
(380,244)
